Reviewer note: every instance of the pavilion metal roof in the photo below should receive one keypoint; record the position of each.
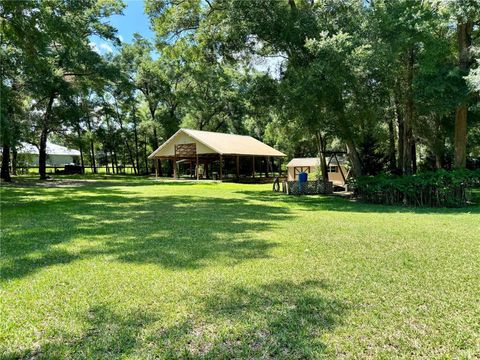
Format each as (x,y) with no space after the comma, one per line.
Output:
(225,144)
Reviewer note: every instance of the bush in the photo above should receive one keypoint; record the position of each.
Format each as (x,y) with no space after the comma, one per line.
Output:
(429,189)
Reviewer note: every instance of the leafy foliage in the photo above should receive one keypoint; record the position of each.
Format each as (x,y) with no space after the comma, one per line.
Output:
(380,80)
(427,189)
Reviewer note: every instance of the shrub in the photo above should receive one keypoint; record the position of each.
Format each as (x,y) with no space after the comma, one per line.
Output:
(427,189)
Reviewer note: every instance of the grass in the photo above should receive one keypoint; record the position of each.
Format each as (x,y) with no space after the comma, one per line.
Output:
(134,268)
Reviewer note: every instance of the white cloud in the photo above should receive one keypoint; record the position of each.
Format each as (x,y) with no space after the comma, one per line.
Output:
(94,47)
(101,47)
(105,47)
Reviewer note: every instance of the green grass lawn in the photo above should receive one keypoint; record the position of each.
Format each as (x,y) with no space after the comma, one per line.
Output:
(134,268)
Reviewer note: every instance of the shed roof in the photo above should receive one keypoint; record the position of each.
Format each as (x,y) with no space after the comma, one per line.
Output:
(300,162)
(225,144)
(52,149)
(303,162)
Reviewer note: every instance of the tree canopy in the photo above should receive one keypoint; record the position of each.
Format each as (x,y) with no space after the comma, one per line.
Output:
(393,84)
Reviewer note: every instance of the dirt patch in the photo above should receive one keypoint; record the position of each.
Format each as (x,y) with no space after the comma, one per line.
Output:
(55,183)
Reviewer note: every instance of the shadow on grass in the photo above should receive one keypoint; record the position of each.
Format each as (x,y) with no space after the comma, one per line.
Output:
(99,181)
(282,320)
(178,232)
(106,335)
(336,203)
(277,320)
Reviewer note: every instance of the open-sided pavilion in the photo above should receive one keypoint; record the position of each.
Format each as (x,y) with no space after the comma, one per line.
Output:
(208,154)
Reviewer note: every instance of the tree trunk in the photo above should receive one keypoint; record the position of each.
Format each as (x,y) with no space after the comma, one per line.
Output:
(391,146)
(42,151)
(460,137)
(116,160)
(155,137)
(80,145)
(113,149)
(92,156)
(414,156)
(346,134)
(92,146)
(155,146)
(354,158)
(408,125)
(42,155)
(321,146)
(135,133)
(112,161)
(14,160)
(145,155)
(439,159)
(5,172)
(464,33)
(401,130)
(107,167)
(127,145)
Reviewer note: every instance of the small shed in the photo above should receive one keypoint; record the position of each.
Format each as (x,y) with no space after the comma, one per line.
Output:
(337,171)
(216,155)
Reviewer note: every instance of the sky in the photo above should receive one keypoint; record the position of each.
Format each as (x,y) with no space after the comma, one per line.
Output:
(133,20)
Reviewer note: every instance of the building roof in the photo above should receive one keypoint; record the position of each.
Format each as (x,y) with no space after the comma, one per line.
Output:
(225,144)
(52,149)
(304,162)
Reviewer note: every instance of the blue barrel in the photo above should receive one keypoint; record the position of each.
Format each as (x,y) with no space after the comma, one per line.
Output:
(302,180)
(302,177)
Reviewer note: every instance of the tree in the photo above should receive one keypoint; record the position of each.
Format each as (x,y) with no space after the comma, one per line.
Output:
(466,14)
(146,74)
(379,79)
(56,51)
(12,96)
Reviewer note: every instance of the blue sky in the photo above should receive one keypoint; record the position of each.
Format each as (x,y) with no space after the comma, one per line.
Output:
(133,20)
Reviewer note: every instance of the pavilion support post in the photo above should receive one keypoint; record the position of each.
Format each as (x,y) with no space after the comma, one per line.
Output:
(280,161)
(253,166)
(197,168)
(221,167)
(267,174)
(156,168)
(238,166)
(175,163)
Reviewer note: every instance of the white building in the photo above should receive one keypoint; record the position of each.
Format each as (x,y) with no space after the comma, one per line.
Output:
(57,155)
